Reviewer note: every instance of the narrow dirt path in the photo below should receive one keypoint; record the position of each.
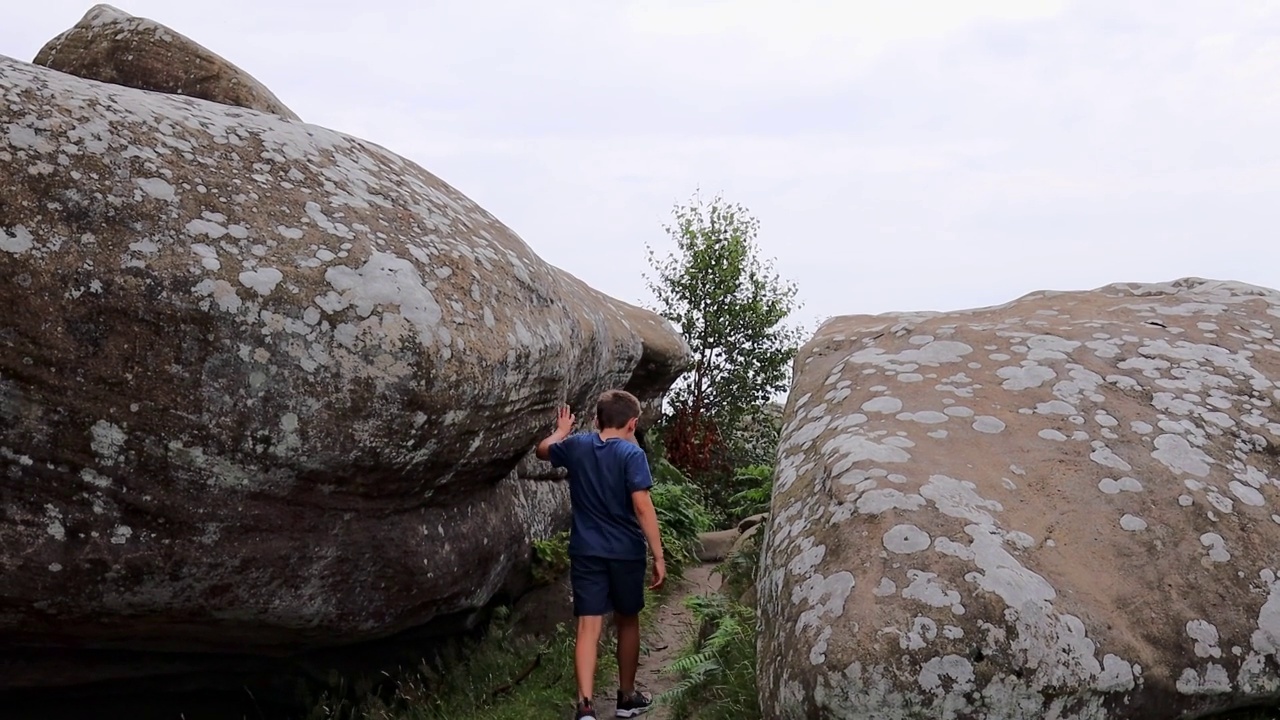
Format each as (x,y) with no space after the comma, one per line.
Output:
(665,638)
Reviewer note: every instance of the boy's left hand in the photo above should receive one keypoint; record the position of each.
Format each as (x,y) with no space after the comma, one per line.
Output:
(659,574)
(564,421)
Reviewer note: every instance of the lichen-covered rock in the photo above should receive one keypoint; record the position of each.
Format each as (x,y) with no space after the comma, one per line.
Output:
(264,387)
(112,46)
(1064,507)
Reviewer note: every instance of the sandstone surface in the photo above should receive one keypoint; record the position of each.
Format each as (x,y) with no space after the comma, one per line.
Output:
(1064,507)
(112,46)
(264,387)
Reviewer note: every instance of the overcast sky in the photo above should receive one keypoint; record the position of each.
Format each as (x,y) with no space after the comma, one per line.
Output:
(900,155)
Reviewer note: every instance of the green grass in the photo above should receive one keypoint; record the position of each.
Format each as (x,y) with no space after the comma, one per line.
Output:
(551,558)
(500,677)
(504,676)
(488,679)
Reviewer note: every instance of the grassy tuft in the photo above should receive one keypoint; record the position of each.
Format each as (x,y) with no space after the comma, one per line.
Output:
(500,677)
(551,558)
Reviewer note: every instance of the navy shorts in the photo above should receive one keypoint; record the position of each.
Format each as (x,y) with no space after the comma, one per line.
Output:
(602,586)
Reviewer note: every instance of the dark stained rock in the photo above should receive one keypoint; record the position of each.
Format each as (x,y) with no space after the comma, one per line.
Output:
(115,47)
(264,387)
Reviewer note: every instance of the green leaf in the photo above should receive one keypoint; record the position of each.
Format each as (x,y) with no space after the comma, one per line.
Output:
(731,307)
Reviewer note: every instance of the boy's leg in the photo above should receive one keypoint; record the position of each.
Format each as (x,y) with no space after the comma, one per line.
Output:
(584,655)
(590,580)
(628,651)
(627,587)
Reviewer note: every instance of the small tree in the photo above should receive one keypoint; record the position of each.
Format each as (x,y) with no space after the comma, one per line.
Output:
(731,307)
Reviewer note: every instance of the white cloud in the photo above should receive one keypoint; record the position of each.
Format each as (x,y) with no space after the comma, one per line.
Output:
(795,27)
(900,155)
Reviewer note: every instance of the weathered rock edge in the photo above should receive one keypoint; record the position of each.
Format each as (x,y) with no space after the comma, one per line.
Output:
(112,46)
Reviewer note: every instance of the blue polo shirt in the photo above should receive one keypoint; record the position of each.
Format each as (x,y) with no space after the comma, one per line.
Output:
(602,476)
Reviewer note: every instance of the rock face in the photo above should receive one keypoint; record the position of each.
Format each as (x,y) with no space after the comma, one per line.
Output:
(1065,507)
(115,47)
(264,387)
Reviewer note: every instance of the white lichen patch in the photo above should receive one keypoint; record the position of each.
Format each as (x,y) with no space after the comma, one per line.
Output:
(16,240)
(884,404)
(932,354)
(157,188)
(1177,454)
(928,589)
(925,417)
(906,540)
(92,477)
(1247,494)
(949,674)
(1217,547)
(1212,681)
(1117,675)
(1206,638)
(1132,523)
(877,502)
(1115,487)
(1106,457)
(989,425)
(958,499)
(385,281)
(824,597)
(1025,377)
(262,281)
(221,292)
(107,441)
(121,534)
(53,523)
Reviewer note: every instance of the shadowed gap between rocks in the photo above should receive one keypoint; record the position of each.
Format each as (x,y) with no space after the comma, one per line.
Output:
(230,687)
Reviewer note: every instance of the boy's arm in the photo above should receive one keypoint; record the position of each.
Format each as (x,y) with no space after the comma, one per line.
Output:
(647,514)
(564,427)
(638,483)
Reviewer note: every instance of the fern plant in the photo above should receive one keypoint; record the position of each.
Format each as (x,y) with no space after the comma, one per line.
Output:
(681,518)
(717,670)
(754,499)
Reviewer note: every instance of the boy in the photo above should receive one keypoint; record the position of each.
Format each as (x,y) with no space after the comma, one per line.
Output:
(613,518)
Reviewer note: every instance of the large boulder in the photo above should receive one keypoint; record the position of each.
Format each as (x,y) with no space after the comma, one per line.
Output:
(1064,507)
(112,46)
(264,387)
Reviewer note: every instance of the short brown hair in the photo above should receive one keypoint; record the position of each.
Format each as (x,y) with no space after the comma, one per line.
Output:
(615,409)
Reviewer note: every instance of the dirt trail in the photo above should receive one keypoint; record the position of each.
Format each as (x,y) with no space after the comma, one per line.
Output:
(665,638)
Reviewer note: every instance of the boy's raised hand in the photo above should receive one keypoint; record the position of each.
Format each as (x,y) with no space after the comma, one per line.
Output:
(564,428)
(564,421)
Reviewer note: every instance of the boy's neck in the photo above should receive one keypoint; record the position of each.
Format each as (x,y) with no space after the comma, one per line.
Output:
(617,433)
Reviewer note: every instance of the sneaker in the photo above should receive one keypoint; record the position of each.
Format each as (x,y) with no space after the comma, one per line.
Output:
(585,711)
(634,706)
